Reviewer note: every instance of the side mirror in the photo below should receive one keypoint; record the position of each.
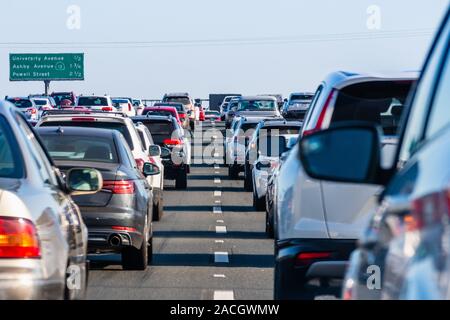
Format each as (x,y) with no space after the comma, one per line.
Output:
(84,181)
(343,154)
(165,152)
(154,151)
(262,165)
(150,169)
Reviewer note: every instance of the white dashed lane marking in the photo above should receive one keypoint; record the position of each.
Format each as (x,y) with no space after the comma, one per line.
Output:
(221,257)
(220,221)
(223,295)
(217,181)
(217,193)
(221,229)
(219,276)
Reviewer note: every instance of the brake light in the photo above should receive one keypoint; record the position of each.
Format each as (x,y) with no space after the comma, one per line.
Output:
(119,228)
(129,106)
(107,109)
(324,116)
(32,110)
(140,163)
(83,119)
(306,258)
(182,116)
(18,239)
(428,210)
(119,187)
(172,142)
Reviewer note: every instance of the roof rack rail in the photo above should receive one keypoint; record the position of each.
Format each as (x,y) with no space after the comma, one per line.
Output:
(81,112)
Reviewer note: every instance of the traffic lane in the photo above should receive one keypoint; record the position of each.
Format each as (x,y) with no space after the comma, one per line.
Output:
(184,247)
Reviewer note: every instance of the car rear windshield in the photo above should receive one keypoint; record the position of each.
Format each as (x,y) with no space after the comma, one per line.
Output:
(60,97)
(121,127)
(80,148)
(178,106)
(296,97)
(10,158)
(21,103)
(379,102)
(159,113)
(160,130)
(257,105)
(183,100)
(120,101)
(40,102)
(92,101)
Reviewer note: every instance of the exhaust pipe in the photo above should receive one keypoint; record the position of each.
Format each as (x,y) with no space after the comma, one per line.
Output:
(115,240)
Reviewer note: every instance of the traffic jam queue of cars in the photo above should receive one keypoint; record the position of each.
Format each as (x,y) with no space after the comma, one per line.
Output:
(354,181)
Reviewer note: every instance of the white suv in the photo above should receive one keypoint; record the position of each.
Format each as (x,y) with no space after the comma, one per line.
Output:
(317,232)
(96,103)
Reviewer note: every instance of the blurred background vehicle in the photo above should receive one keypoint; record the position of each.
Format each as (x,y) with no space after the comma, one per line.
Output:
(163,111)
(168,134)
(181,110)
(124,105)
(186,100)
(297,105)
(26,105)
(139,106)
(61,96)
(212,116)
(96,103)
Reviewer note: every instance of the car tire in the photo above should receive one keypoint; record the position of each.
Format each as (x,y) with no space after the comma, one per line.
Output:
(259,204)
(269,227)
(248,183)
(134,258)
(233,172)
(181,180)
(158,210)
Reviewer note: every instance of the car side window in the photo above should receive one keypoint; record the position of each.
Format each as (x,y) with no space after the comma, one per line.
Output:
(420,105)
(128,152)
(37,153)
(312,106)
(143,142)
(440,110)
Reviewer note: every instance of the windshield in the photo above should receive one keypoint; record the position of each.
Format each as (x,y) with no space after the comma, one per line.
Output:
(183,100)
(21,103)
(280,130)
(158,113)
(122,128)
(120,101)
(297,97)
(257,105)
(60,97)
(40,102)
(10,158)
(92,101)
(80,148)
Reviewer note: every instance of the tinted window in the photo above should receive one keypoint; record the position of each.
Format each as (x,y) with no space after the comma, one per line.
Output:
(40,102)
(122,128)
(256,105)
(80,148)
(379,102)
(60,97)
(280,130)
(21,103)
(92,101)
(159,113)
(301,97)
(183,100)
(160,130)
(10,158)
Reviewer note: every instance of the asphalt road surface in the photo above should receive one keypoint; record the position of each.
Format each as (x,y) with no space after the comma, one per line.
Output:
(210,244)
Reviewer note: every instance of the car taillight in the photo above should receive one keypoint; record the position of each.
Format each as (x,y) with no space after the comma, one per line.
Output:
(107,109)
(129,106)
(324,116)
(18,239)
(172,142)
(140,163)
(428,210)
(119,187)
(182,116)
(32,110)
(83,119)
(306,258)
(119,228)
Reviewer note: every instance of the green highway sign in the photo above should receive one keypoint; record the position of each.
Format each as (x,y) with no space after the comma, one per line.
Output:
(46,66)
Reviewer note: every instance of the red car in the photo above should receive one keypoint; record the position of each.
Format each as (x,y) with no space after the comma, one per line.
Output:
(162,111)
(201,116)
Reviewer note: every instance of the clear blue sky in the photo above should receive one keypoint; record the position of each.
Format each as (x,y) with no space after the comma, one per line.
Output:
(281,60)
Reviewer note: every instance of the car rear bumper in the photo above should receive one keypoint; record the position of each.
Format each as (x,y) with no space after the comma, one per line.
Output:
(334,267)
(100,222)
(21,280)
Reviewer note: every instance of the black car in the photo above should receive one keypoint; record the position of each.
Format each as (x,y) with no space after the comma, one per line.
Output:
(167,133)
(119,216)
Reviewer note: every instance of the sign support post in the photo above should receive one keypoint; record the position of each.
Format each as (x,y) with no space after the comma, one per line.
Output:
(46,87)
